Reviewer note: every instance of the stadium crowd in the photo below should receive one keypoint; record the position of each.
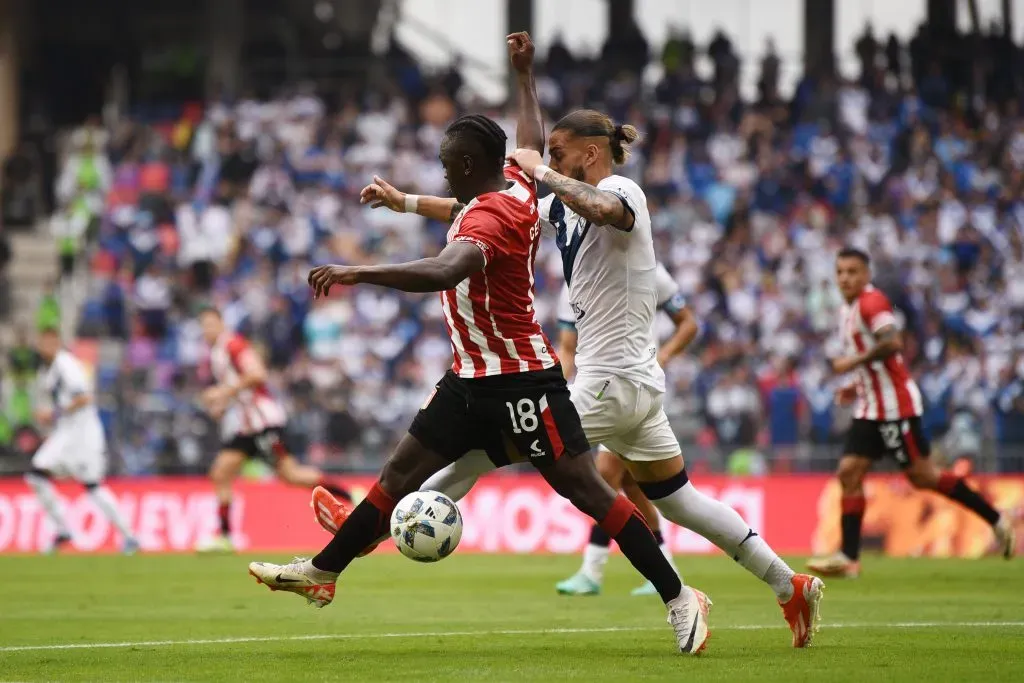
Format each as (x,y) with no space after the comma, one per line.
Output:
(919,161)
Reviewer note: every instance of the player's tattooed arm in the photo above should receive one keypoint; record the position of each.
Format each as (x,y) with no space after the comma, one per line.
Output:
(887,342)
(598,206)
(455,263)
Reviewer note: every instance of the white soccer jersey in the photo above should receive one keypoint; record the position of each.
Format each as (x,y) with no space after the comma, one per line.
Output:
(611,275)
(670,299)
(64,381)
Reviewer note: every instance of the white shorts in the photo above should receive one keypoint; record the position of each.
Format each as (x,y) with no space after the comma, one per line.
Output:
(75,451)
(624,416)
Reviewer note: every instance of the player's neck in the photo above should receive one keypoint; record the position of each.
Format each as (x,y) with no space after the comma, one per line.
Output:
(596,174)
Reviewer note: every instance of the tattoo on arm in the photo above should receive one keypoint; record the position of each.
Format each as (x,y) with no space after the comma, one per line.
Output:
(887,342)
(597,206)
(457,208)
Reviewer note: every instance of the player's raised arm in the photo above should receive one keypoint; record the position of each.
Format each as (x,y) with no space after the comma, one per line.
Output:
(530,125)
(382,193)
(455,263)
(600,207)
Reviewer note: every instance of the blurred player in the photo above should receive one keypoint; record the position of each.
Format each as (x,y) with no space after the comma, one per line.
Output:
(603,229)
(587,581)
(505,382)
(76,447)
(252,423)
(887,417)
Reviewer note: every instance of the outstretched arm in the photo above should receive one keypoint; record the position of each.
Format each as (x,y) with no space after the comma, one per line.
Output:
(381,193)
(455,263)
(530,126)
(598,206)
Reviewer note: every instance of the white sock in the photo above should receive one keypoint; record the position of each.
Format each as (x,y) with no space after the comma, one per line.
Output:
(47,495)
(723,526)
(319,574)
(106,502)
(457,479)
(595,557)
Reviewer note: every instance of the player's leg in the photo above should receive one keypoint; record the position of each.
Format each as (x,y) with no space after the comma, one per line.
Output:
(417,457)
(223,472)
(45,463)
(924,474)
(863,446)
(650,513)
(291,471)
(588,579)
(91,468)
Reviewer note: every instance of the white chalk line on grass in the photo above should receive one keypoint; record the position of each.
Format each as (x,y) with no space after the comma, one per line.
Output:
(503,632)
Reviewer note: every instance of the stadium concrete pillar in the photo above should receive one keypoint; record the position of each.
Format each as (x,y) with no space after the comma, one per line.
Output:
(225,26)
(942,16)
(9,71)
(620,13)
(518,17)
(819,35)
(1008,19)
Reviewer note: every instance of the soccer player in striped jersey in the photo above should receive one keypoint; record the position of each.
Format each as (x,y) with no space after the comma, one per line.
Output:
(602,227)
(252,423)
(887,417)
(505,384)
(587,581)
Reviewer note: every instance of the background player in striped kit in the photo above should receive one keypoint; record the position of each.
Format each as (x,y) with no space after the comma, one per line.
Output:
(587,581)
(887,417)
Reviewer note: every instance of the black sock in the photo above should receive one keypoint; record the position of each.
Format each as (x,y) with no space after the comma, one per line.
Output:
(638,545)
(658,537)
(225,518)
(599,536)
(367,522)
(972,500)
(851,521)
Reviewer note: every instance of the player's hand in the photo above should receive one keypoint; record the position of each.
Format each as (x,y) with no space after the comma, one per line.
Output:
(520,51)
(381,193)
(843,365)
(663,358)
(321,279)
(527,159)
(217,396)
(44,416)
(846,395)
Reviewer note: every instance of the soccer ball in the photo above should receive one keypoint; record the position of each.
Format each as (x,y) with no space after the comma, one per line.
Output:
(426,526)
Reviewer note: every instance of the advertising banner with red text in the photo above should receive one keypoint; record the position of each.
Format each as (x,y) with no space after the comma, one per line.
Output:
(515,513)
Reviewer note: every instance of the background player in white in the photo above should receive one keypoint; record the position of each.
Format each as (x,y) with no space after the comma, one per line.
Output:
(887,417)
(602,227)
(76,447)
(587,581)
(252,423)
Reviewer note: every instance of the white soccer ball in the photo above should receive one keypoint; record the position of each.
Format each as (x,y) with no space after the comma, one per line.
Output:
(426,526)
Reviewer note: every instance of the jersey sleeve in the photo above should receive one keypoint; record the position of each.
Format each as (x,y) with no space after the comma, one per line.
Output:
(236,348)
(566,316)
(547,228)
(670,299)
(628,192)
(485,229)
(876,310)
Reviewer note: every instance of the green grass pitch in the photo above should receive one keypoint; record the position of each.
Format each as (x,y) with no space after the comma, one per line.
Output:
(493,618)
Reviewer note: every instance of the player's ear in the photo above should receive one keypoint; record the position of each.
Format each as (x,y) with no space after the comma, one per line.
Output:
(467,163)
(593,154)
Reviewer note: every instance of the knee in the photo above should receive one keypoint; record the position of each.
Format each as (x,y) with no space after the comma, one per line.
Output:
(220,473)
(36,476)
(610,472)
(850,478)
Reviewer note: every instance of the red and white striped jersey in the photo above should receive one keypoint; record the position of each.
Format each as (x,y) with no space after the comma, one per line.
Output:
(885,389)
(254,410)
(490,315)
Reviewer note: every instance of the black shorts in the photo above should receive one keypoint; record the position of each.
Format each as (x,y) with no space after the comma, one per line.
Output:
(904,440)
(532,410)
(268,445)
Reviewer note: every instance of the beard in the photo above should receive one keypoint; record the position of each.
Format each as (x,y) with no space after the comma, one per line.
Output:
(577,173)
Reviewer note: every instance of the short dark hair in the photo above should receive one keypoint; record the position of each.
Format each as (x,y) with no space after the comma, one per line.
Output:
(208,308)
(484,134)
(854,252)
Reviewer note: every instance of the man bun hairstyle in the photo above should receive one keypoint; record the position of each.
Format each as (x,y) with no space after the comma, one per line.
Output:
(589,123)
(483,133)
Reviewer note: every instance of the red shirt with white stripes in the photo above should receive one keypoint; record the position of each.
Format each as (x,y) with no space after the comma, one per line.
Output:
(885,389)
(254,410)
(490,315)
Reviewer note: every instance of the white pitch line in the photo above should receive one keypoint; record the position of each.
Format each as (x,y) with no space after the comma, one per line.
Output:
(503,632)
